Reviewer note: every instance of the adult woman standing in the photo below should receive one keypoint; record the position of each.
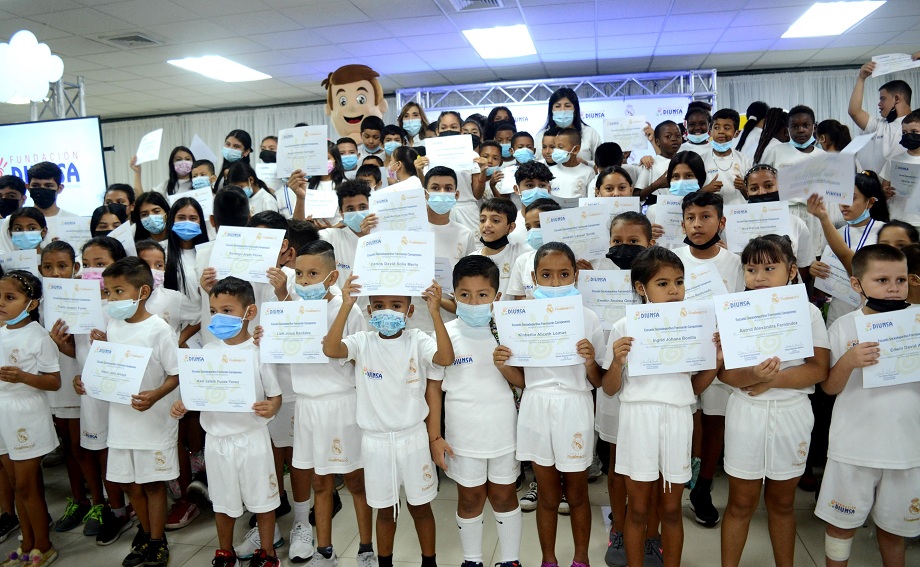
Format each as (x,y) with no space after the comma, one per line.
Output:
(564,111)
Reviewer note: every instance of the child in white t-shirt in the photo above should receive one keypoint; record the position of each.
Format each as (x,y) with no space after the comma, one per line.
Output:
(238,449)
(725,166)
(571,177)
(391,408)
(496,221)
(899,195)
(873,463)
(697,121)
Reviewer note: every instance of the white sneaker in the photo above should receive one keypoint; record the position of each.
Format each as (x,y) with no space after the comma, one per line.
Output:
(251,542)
(320,561)
(302,546)
(529,500)
(367,559)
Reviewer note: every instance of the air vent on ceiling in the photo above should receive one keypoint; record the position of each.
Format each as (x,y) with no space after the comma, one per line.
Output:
(131,40)
(471,5)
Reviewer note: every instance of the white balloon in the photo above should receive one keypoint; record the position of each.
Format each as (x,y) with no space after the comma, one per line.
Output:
(37,91)
(54,69)
(23,39)
(7,90)
(40,53)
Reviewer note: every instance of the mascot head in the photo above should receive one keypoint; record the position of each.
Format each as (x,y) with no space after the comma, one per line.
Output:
(352,94)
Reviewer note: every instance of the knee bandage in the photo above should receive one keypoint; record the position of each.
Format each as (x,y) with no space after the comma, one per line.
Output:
(837,549)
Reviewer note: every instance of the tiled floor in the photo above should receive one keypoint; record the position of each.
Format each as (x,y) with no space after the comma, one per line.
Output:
(194,546)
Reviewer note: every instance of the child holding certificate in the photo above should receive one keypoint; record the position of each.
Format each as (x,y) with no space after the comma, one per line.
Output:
(556,424)
(656,420)
(28,370)
(390,364)
(768,419)
(238,449)
(873,462)
(477,450)
(496,222)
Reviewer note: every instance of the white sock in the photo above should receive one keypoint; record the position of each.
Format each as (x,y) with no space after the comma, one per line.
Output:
(302,511)
(471,538)
(509,526)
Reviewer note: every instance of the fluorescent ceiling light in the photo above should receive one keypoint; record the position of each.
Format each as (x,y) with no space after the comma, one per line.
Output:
(831,18)
(220,68)
(501,42)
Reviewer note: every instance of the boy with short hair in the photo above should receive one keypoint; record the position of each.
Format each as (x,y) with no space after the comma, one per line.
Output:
(203,174)
(496,221)
(697,120)
(392,410)
(478,448)
(371,136)
(142,435)
(571,178)
(873,462)
(12,196)
(372,160)
(893,105)
(46,181)
(725,166)
(120,194)
(354,198)
(548,144)
(490,168)
(237,445)
(899,197)
(522,151)
(504,133)
(654,172)
(348,149)
(370,174)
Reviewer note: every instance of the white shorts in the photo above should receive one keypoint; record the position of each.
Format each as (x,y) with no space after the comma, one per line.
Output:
(556,429)
(850,492)
(26,428)
(714,399)
(281,428)
(140,466)
(767,438)
(241,472)
(654,439)
(607,416)
(394,459)
(471,472)
(326,434)
(66,413)
(94,423)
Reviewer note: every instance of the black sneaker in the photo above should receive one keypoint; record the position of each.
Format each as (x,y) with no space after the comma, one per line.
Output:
(336,508)
(138,555)
(704,512)
(9,523)
(261,559)
(157,554)
(111,527)
(471,564)
(197,490)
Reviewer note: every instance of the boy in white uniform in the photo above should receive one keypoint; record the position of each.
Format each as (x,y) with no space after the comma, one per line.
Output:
(142,436)
(478,447)
(697,121)
(391,408)
(723,163)
(873,460)
(898,195)
(238,448)
(893,105)
(571,178)
(496,221)
(354,197)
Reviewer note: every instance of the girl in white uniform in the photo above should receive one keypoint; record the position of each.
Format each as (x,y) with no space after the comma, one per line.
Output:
(769,418)
(29,368)
(187,229)
(555,423)
(180,173)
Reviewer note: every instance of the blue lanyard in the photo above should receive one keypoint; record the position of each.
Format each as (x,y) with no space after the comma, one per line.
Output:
(863,238)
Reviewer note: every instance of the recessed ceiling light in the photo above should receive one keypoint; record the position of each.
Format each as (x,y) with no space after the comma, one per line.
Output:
(831,18)
(220,68)
(501,42)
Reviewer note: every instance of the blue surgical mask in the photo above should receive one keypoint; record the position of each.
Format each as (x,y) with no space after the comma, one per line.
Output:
(186,230)
(490,171)
(225,326)
(549,292)
(475,315)
(441,203)
(861,218)
(312,292)
(201,182)
(231,154)
(698,138)
(683,187)
(390,147)
(19,318)
(720,147)
(535,238)
(528,196)
(506,150)
(412,126)
(798,146)
(560,156)
(388,322)
(27,240)
(248,191)
(122,309)
(524,155)
(563,118)
(154,224)
(349,161)
(353,219)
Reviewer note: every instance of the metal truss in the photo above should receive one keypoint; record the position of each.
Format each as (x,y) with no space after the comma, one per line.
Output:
(66,100)
(700,85)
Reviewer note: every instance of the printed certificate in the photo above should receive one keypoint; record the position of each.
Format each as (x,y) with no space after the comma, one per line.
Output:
(744,222)
(608,293)
(320,204)
(220,379)
(76,302)
(898,337)
(616,205)
(670,338)
(204,197)
(293,331)
(395,263)
(830,176)
(837,284)
(586,230)
(703,282)
(541,332)
(20,260)
(72,230)
(246,253)
(114,372)
(455,152)
(302,148)
(403,210)
(627,131)
(670,215)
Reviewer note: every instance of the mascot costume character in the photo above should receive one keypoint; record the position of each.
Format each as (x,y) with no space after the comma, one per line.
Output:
(353,93)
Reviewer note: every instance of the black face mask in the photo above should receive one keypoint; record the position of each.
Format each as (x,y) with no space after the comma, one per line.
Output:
(892,115)
(624,254)
(764,198)
(910,141)
(496,244)
(43,198)
(96,233)
(268,156)
(8,207)
(704,246)
(119,210)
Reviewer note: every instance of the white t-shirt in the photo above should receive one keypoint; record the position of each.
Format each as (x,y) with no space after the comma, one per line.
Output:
(784,155)
(345,243)
(855,234)
(363,152)
(727,263)
(885,145)
(646,177)
(726,169)
(391,389)
(66,396)
(480,415)
(571,182)
(750,143)
(182,186)
(673,389)
(590,140)
(874,427)
(574,377)
(173,307)
(802,243)
(505,260)
(898,203)
(30,349)
(262,200)
(521,280)
(154,429)
(336,376)
(221,423)
(452,241)
(698,148)
(188,278)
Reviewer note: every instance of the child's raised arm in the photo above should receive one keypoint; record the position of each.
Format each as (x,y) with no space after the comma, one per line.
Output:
(834,239)
(444,356)
(333,347)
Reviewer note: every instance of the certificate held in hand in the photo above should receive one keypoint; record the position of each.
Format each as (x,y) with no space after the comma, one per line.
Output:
(541,332)
(395,263)
(219,379)
(671,338)
(114,372)
(76,302)
(246,253)
(293,332)
(898,337)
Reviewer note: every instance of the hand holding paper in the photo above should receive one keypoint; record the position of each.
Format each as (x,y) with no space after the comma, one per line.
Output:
(149,148)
